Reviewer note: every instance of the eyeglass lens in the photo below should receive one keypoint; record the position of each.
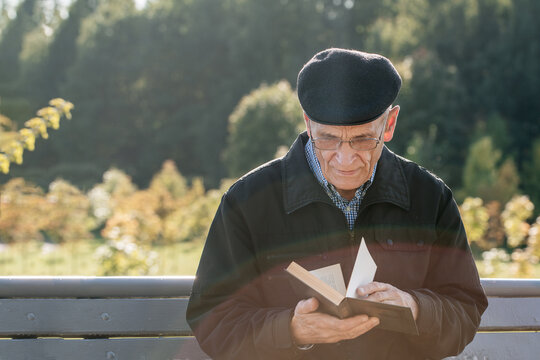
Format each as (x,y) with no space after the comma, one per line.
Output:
(333,144)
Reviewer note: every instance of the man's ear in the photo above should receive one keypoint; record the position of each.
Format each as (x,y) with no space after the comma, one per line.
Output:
(306,120)
(391,123)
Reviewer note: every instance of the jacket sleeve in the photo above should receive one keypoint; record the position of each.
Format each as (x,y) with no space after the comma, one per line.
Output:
(226,311)
(452,300)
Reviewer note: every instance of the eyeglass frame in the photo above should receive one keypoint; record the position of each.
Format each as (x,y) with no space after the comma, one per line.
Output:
(350,141)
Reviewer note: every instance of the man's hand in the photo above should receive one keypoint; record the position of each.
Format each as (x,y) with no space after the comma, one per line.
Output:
(388,294)
(311,327)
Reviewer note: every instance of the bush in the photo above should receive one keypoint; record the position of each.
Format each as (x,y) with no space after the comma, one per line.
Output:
(67,212)
(22,210)
(516,211)
(264,120)
(124,257)
(475,219)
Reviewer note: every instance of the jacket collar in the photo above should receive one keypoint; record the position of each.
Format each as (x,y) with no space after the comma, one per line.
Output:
(300,187)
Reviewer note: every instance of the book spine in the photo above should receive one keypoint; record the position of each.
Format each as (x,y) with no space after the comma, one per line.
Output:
(345,309)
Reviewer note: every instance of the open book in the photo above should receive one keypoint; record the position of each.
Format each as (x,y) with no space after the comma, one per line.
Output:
(327,285)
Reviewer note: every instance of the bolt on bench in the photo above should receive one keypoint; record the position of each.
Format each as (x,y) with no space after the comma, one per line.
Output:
(143,318)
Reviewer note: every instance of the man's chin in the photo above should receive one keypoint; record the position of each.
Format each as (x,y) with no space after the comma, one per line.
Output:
(347,187)
(348,184)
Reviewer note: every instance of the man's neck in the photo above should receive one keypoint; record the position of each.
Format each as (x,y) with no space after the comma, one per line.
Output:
(346,194)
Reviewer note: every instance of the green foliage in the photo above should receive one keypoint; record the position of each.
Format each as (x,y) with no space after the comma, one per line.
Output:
(163,82)
(49,73)
(264,120)
(11,43)
(480,172)
(483,177)
(496,127)
(422,147)
(430,124)
(506,184)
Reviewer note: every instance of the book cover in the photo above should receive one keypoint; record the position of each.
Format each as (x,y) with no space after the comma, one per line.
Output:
(326,284)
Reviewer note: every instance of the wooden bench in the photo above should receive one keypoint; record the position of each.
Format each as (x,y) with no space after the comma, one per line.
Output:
(142,318)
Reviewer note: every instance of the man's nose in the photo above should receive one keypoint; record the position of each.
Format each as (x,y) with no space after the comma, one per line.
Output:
(345,154)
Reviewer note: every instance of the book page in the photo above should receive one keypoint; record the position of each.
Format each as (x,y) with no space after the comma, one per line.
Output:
(333,276)
(363,271)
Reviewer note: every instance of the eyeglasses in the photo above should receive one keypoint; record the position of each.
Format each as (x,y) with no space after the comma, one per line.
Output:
(333,143)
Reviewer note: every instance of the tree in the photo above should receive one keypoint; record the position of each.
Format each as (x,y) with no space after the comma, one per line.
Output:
(531,176)
(46,78)
(430,122)
(264,120)
(11,44)
(507,182)
(101,78)
(484,177)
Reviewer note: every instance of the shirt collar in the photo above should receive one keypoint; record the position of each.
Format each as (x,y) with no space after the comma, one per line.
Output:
(301,188)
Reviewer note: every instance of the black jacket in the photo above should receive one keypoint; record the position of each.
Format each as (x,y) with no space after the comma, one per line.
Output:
(242,301)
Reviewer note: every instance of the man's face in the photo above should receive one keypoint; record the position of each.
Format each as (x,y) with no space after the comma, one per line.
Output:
(346,168)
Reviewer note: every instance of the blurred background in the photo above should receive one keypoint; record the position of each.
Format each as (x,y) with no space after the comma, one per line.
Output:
(174,99)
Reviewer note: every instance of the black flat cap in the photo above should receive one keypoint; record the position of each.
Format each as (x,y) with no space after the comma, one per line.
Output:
(347,87)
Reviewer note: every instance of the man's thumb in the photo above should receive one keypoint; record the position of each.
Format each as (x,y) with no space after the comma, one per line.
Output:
(307,306)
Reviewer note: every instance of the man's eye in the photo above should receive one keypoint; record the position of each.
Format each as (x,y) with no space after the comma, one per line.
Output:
(329,140)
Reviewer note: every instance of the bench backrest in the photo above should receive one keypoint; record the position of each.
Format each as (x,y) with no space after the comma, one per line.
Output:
(143,318)
(510,327)
(84,318)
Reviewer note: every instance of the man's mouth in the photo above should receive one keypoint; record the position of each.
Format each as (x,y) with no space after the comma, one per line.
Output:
(347,172)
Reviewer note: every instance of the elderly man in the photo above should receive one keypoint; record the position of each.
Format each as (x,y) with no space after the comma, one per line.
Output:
(337,184)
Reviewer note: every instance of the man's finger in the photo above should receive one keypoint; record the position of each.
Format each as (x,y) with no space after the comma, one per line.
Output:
(365,327)
(307,306)
(371,288)
(381,296)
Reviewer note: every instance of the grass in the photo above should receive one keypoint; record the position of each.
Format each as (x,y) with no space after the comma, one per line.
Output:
(78,258)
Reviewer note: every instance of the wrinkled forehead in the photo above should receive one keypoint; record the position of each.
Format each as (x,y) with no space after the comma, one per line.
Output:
(370,129)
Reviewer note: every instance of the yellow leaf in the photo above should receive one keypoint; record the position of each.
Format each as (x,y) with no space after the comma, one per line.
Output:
(4,163)
(15,149)
(29,139)
(57,102)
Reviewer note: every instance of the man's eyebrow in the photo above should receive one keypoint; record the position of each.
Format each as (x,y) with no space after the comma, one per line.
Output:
(364,135)
(367,134)
(323,133)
